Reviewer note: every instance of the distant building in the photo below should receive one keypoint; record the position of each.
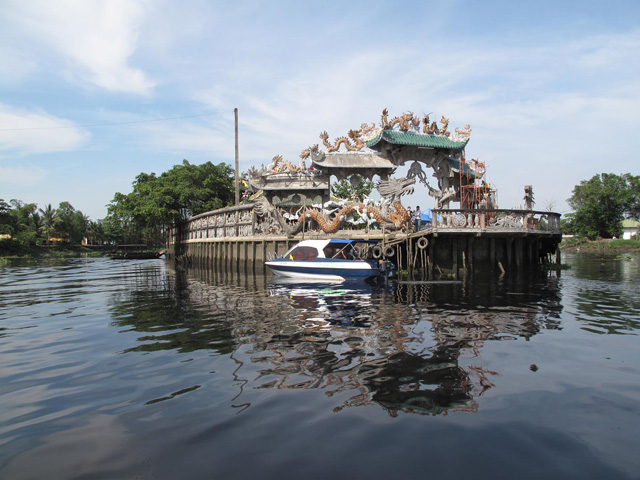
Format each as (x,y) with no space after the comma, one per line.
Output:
(630,229)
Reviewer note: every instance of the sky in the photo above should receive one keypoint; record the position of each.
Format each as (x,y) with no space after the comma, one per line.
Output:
(93,93)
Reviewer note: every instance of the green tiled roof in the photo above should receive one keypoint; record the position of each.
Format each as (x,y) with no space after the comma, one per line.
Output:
(416,140)
(630,223)
(467,170)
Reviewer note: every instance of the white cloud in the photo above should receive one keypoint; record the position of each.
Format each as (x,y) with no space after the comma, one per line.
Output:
(549,110)
(547,116)
(24,132)
(96,39)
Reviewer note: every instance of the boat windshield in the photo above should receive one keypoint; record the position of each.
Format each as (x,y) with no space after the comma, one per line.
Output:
(344,251)
(303,253)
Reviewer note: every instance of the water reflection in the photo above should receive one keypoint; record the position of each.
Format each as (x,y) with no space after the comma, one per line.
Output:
(606,292)
(109,368)
(322,305)
(410,348)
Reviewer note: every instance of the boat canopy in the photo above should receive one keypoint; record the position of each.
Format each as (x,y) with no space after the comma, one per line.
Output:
(311,249)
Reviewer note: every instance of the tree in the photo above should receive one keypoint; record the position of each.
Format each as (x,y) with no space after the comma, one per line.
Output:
(95,233)
(48,219)
(21,225)
(158,202)
(71,223)
(354,188)
(566,225)
(37,223)
(602,202)
(6,218)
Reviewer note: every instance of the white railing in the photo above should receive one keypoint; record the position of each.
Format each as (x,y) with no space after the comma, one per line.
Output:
(496,219)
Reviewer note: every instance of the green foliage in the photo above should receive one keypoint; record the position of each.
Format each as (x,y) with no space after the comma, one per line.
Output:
(6,219)
(157,202)
(572,242)
(602,202)
(28,226)
(71,223)
(48,220)
(566,225)
(354,188)
(18,221)
(138,217)
(620,243)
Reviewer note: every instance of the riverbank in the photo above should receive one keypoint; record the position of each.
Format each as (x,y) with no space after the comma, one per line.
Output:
(600,246)
(53,251)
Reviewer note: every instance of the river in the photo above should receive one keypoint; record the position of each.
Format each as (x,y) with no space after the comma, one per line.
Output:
(132,369)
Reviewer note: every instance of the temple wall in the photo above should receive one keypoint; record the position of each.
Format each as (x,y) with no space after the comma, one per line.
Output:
(457,243)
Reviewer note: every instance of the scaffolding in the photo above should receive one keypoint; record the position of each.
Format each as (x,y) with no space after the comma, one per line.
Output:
(475,191)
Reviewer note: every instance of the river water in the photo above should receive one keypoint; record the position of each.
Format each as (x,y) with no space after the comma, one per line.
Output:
(131,369)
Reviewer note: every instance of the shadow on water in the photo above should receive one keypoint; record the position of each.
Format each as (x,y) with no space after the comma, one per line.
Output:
(397,346)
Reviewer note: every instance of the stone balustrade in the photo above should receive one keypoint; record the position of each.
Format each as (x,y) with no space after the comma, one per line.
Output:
(496,219)
(243,222)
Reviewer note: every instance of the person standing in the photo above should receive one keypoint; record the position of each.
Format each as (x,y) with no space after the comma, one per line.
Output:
(417,215)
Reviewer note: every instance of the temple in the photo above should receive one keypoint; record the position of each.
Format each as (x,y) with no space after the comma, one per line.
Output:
(289,200)
(372,151)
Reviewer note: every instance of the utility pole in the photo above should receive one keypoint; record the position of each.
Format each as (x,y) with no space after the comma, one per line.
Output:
(235,111)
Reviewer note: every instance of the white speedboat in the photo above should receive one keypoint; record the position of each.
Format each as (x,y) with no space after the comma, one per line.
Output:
(331,260)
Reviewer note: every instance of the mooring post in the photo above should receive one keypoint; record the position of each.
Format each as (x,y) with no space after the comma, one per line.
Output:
(431,258)
(454,253)
(508,243)
(252,247)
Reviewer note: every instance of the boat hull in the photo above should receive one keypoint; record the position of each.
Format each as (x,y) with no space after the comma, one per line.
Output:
(331,270)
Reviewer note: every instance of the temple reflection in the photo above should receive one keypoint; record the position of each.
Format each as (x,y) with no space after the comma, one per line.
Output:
(405,348)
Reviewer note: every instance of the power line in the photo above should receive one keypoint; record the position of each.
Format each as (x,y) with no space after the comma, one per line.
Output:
(115,123)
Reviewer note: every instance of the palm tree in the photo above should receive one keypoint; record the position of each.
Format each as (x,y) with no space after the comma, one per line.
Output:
(36,223)
(48,219)
(95,232)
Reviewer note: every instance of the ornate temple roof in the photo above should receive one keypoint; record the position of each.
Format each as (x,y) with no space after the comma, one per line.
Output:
(292,181)
(355,160)
(416,140)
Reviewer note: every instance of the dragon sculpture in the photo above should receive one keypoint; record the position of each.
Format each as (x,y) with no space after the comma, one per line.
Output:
(264,209)
(313,152)
(443,129)
(324,136)
(391,213)
(280,166)
(368,211)
(395,220)
(432,129)
(354,139)
(429,129)
(353,135)
(404,121)
(392,189)
(460,135)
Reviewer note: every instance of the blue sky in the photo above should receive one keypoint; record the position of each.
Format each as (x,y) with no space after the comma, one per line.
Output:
(551,89)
